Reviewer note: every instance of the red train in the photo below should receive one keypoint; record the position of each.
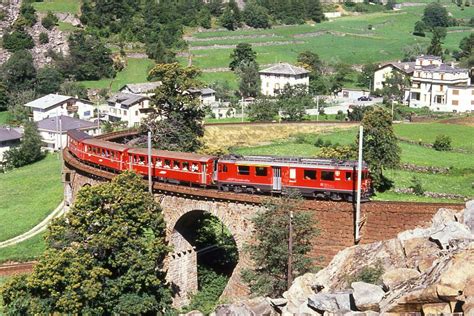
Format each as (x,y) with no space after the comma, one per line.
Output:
(317,178)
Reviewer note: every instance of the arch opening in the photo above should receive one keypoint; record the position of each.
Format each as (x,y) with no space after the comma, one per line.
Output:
(216,255)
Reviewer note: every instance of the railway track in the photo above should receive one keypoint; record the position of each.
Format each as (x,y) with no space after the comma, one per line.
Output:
(16,268)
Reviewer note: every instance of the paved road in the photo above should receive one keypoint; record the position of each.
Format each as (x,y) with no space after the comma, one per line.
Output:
(344,106)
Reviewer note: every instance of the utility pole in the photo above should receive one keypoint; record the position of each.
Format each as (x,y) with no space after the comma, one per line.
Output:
(359,180)
(149,163)
(290,251)
(242,108)
(317,108)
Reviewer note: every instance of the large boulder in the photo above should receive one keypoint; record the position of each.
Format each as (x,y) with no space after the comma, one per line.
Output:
(334,302)
(420,252)
(468,216)
(367,296)
(252,307)
(395,277)
(450,232)
(300,289)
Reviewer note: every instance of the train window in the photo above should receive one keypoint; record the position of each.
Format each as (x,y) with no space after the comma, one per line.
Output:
(348,176)
(224,168)
(243,170)
(292,174)
(261,171)
(185,166)
(309,174)
(159,163)
(167,163)
(327,175)
(176,165)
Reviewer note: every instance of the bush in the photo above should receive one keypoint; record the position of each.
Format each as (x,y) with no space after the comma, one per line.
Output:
(327,143)
(43,38)
(340,115)
(368,274)
(300,138)
(17,40)
(416,186)
(49,21)
(319,142)
(442,143)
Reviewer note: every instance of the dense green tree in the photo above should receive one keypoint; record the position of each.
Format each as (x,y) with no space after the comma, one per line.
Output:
(249,79)
(340,76)
(204,18)
(310,61)
(242,52)
(435,15)
(88,58)
(293,102)
(43,38)
(380,145)
(177,121)
(159,53)
(4,99)
(315,10)
(30,149)
(104,257)
(435,48)
(366,76)
(73,89)
(231,17)
(27,15)
(49,21)
(270,251)
(17,40)
(262,110)
(394,88)
(19,73)
(256,16)
(224,91)
(390,4)
(48,80)
(467,45)
(420,28)
(410,52)
(17,110)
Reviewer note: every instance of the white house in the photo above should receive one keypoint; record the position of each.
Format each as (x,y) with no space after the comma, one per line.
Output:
(385,70)
(274,78)
(441,87)
(53,130)
(9,138)
(207,96)
(128,107)
(144,89)
(56,104)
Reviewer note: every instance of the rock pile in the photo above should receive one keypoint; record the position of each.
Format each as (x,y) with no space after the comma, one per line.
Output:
(427,271)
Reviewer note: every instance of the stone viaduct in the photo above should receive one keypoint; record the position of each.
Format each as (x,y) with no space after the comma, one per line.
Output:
(180,204)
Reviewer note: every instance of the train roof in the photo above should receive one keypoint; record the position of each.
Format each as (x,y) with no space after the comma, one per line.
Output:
(105,144)
(173,154)
(285,161)
(78,134)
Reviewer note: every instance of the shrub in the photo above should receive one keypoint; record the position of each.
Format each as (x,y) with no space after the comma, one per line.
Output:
(319,142)
(49,21)
(43,38)
(340,115)
(442,143)
(416,186)
(327,143)
(368,274)
(17,40)
(300,138)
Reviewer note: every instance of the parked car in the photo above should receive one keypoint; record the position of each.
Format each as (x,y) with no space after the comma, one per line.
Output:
(364,98)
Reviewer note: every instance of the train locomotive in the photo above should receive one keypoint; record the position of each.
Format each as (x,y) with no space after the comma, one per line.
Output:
(314,178)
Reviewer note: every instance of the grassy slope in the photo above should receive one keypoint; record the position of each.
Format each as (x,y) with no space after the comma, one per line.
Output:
(28,194)
(70,6)
(24,251)
(135,72)
(4,117)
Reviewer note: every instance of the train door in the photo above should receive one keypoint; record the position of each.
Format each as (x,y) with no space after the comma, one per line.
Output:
(276,178)
(203,173)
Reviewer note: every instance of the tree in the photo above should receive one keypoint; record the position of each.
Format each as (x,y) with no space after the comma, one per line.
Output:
(17,40)
(394,88)
(339,78)
(242,52)
(390,4)
(49,21)
(4,99)
(88,58)
(270,251)
(411,52)
(43,38)
(48,80)
(74,89)
(30,149)
(19,73)
(249,84)
(315,11)
(105,256)
(256,16)
(380,146)
(262,110)
(27,15)
(293,102)
(435,48)
(310,61)
(17,110)
(177,121)
(366,76)
(157,51)
(420,28)
(205,18)
(467,45)
(435,15)
(231,18)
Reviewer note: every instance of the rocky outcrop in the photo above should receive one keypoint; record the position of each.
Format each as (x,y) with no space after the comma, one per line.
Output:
(11,10)
(427,270)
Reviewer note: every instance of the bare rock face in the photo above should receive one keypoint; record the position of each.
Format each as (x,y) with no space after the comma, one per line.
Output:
(257,306)
(334,302)
(367,296)
(395,277)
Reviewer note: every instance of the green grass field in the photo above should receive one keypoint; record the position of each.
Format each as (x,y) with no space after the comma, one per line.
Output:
(24,251)
(135,72)
(458,181)
(28,195)
(69,6)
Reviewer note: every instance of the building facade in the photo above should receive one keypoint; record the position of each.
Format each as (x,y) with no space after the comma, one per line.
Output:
(441,87)
(128,107)
(386,70)
(276,77)
(52,105)
(53,130)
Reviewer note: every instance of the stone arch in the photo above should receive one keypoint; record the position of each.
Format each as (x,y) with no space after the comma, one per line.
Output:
(235,216)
